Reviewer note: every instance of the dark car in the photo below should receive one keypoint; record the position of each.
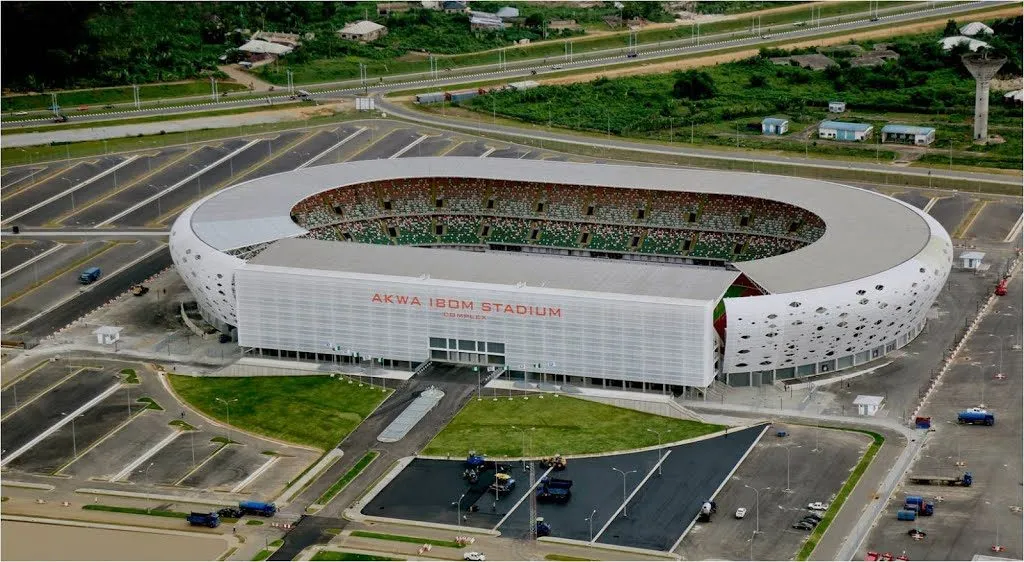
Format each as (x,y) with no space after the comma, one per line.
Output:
(813,517)
(803,526)
(230,512)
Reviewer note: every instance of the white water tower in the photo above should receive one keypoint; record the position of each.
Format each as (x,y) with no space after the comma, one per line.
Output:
(983,68)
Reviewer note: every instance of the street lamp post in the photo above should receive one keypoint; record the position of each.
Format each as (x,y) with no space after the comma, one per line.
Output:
(623,473)
(590,520)
(661,451)
(757,507)
(227,408)
(788,449)
(74,440)
(458,510)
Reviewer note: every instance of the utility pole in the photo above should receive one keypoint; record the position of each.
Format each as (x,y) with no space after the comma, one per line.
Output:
(138,98)
(533,506)
(53,105)
(213,89)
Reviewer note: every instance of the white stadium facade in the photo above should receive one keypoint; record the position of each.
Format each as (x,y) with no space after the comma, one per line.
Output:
(621,276)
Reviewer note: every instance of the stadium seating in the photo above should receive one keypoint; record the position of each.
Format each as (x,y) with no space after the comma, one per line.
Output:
(432,211)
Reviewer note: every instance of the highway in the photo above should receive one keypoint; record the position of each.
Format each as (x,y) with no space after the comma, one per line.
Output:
(545,65)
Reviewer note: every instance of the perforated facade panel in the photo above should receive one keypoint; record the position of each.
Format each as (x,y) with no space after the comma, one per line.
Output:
(565,332)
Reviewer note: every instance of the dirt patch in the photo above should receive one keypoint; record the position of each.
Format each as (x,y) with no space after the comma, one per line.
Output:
(669,66)
(33,541)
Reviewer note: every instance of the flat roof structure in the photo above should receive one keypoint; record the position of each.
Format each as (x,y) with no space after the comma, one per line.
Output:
(907,129)
(866,233)
(531,270)
(844,126)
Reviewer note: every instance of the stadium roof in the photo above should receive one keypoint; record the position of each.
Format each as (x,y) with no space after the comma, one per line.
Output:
(866,233)
(495,268)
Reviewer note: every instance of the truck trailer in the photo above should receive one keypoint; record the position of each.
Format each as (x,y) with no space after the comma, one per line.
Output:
(554,490)
(200,519)
(257,508)
(966,479)
(976,416)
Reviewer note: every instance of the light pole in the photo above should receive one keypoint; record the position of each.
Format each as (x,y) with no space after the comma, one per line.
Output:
(199,180)
(757,506)
(227,408)
(660,449)
(788,449)
(74,440)
(591,521)
(623,473)
(752,535)
(458,511)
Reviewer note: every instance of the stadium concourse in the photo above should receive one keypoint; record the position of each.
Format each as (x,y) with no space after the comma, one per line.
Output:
(662,278)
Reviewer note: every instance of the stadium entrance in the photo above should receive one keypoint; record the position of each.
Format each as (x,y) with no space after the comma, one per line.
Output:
(466,352)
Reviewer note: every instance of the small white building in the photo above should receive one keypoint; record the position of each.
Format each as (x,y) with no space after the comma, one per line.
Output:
(976,28)
(107,335)
(507,12)
(261,48)
(972,44)
(908,134)
(868,405)
(363,31)
(836,106)
(774,126)
(839,130)
(971,260)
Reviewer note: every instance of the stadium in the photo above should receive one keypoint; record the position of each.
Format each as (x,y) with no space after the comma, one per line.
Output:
(591,274)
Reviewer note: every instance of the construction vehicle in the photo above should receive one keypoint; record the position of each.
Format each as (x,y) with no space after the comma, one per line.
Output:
(232,512)
(543,529)
(556,462)
(474,460)
(917,503)
(139,289)
(976,416)
(964,480)
(503,483)
(554,490)
(257,508)
(197,519)
(1001,287)
(89,275)
(471,475)
(706,511)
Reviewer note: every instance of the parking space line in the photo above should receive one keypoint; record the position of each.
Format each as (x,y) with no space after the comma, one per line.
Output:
(186,155)
(332,147)
(1014,230)
(486,153)
(44,391)
(526,495)
(73,189)
(408,147)
(100,441)
(109,245)
(48,177)
(200,465)
(103,279)
(145,456)
(635,490)
(191,177)
(32,260)
(452,147)
(256,474)
(931,203)
(60,423)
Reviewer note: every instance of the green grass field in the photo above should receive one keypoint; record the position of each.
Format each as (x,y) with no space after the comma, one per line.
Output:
(70,100)
(310,410)
(559,425)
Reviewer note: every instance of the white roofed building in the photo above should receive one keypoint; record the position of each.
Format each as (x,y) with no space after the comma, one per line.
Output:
(972,44)
(363,31)
(975,28)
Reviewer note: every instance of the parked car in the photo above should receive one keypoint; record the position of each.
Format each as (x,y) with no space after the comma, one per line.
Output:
(809,521)
(818,506)
(814,516)
(803,526)
(474,556)
(741,512)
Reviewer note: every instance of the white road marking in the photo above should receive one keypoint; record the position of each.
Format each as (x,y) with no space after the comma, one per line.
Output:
(487,153)
(145,456)
(333,147)
(31,260)
(73,189)
(241,485)
(407,147)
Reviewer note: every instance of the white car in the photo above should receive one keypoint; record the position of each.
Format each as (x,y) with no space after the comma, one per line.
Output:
(818,506)
(741,512)
(474,556)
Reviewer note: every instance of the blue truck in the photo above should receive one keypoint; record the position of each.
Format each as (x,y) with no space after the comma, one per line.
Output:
(257,508)
(976,416)
(964,480)
(89,275)
(199,519)
(906,515)
(919,505)
(554,490)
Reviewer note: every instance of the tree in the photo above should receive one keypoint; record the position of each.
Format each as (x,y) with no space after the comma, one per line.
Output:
(757,81)
(693,85)
(534,20)
(951,30)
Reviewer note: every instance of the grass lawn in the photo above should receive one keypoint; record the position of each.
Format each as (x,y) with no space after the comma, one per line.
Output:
(310,410)
(562,557)
(335,555)
(74,98)
(404,538)
(559,425)
(348,477)
(135,510)
(844,492)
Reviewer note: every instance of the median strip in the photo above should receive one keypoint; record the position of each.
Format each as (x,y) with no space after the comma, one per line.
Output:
(347,478)
(73,189)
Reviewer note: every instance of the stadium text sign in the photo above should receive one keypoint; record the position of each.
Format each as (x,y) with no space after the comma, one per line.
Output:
(471,306)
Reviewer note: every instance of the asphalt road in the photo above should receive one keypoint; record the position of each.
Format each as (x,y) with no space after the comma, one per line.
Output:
(16,178)
(17,254)
(114,454)
(914,198)
(228,468)
(61,260)
(469,148)
(949,211)
(387,146)
(36,383)
(25,199)
(995,221)
(174,461)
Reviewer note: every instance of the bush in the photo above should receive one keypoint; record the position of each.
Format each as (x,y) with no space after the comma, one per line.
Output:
(693,85)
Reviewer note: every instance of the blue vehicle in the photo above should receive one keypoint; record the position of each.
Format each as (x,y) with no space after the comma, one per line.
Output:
(89,275)
(976,416)
(258,508)
(197,518)
(554,490)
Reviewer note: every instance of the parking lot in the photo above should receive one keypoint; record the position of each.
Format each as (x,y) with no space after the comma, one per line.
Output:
(657,514)
(116,440)
(969,521)
(813,463)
